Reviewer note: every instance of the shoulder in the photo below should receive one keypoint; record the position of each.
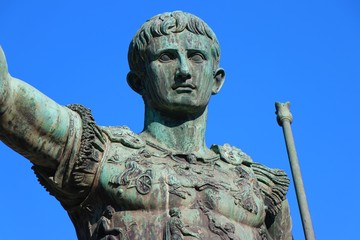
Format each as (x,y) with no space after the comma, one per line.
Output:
(273,182)
(123,145)
(231,154)
(123,135)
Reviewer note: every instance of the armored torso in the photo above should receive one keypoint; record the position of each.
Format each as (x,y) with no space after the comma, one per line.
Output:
(158,194)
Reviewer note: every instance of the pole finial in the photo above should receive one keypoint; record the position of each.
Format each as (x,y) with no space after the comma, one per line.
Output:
(283,112)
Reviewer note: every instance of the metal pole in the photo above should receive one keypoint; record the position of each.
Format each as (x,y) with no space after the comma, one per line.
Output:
(284,119)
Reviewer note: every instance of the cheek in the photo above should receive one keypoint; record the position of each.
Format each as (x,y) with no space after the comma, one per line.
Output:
(155,87)
(204,76)
(161,74)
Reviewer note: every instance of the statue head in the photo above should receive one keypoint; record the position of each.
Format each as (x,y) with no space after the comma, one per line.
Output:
(175,212)
(166,24)
(109,212)
(174,59)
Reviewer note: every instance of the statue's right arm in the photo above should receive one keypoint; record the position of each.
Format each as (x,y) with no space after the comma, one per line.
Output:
(33,124)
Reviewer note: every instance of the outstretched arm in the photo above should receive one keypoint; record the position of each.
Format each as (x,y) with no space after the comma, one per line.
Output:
(33,124)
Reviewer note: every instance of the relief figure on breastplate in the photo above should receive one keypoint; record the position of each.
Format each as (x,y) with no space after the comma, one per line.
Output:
(164,182)
(104,227)
(175,228)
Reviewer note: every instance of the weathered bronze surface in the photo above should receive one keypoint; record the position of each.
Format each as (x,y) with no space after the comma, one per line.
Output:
(284,119)
(163,183)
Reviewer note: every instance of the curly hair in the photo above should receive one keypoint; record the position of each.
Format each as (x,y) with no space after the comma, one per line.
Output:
(165,24)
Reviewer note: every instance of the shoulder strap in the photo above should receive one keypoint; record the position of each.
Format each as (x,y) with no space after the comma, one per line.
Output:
(231,154)
(124,135)
(274,184)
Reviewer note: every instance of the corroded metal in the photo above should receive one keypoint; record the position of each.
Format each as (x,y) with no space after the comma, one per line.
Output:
(284,119)
(163,183)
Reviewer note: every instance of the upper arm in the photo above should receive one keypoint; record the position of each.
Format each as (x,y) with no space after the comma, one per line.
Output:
(36,126)
(281,227)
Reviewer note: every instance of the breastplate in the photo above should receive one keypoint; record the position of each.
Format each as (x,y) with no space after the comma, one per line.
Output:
(212,199)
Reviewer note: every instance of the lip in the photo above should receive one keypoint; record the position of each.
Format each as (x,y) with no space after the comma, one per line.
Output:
(183,86)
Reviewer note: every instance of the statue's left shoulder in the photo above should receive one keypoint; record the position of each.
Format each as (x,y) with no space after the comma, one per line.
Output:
(273,182)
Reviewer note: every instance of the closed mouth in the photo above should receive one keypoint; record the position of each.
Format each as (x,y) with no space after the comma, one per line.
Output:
(183,86)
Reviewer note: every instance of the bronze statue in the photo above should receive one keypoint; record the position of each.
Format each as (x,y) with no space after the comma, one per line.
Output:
(116,184)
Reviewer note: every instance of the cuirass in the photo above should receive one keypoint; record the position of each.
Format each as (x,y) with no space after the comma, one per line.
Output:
(140,190)
(217,200)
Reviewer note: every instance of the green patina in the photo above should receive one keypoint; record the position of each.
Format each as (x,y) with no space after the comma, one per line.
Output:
(163,183)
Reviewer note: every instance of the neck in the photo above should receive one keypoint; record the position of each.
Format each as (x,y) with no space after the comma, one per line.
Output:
(185,134)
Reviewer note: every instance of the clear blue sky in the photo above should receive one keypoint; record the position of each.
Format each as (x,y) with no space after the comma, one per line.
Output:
(306,52)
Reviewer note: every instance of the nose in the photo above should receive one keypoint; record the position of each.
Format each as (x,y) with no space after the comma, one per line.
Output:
(183,71)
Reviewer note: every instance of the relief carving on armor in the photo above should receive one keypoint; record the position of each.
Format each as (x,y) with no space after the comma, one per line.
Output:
(133,176)
(187,164)
(114,159)
(176,188)
(175,229)
(226,231)
(105,229)
(247,187)
(185,179)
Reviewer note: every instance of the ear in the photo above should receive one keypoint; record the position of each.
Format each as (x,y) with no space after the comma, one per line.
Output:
(219,78)
(134,81)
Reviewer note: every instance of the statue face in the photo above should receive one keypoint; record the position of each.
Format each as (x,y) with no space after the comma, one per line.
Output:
(180,74)
(109,213)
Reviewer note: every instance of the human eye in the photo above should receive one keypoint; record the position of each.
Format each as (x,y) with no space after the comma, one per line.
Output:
(166,57)
(197,57)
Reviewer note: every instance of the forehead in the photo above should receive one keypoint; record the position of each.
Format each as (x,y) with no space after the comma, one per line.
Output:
(184,40)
